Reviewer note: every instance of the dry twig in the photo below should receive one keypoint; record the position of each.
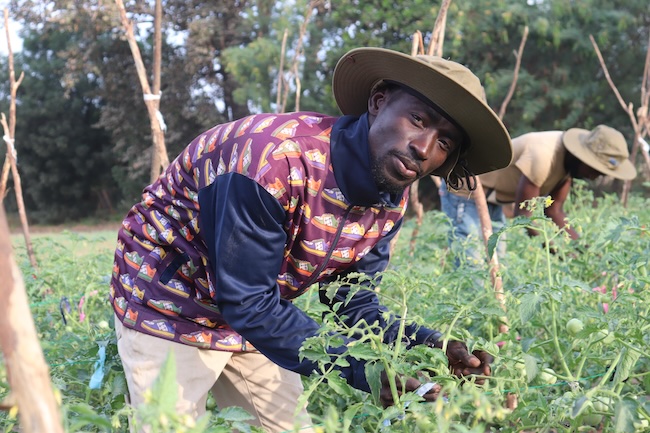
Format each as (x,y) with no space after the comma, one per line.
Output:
(515,75)
(640,122)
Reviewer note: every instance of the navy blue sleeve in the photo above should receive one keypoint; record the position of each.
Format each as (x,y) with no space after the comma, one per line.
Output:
(365,305)
(242,225)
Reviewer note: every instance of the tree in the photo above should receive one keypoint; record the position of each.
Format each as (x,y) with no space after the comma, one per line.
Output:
(64,160)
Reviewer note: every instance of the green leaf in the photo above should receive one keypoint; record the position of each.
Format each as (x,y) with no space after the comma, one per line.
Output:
(363,351)
(579,406)
(624,416)
(88,417)
(531,367)
(373,376)
(571,283)
(625,365)
(529,306)
(339,385)
(234,413)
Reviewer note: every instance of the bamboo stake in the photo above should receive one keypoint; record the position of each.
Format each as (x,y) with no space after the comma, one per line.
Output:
(640,125)
(160,160)
(27,370)
(9,132)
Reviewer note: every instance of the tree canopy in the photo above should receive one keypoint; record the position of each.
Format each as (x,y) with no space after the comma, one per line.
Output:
(83,137)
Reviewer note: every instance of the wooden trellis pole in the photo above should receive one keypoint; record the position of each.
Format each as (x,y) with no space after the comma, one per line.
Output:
(27,370)
(9,132)
(640,123)
(283,86)
(414,194)
(160,160)
(434,49)
(481,201)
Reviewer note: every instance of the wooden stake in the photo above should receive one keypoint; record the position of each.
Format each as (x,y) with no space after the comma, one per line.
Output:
(481,200)
(416,48)
(19,192)
(12,106)
(482,209)
(27,370)
(9,132)
(160,160)
(438,33)
(295,63)
(281,82)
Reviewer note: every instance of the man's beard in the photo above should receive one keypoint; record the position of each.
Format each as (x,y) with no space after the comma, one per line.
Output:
(383,183)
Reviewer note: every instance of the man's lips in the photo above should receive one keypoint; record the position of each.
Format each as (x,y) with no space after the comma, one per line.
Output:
(407,168)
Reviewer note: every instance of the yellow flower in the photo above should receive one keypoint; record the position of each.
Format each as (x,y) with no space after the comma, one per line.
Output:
(548,201)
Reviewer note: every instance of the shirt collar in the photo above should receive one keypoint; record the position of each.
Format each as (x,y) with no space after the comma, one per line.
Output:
(350,154)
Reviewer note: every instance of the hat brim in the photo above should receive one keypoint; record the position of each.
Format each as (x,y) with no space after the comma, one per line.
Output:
(361,69)
(573,140)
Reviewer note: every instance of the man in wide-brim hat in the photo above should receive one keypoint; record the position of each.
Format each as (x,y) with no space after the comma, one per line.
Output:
(255,212)
(544,164)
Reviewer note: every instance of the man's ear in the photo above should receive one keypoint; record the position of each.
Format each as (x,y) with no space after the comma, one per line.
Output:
(375,101)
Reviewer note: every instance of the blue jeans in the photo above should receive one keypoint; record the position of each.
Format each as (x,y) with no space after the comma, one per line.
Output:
(465,237)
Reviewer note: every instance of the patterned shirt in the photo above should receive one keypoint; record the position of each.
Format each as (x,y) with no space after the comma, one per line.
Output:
(245,219)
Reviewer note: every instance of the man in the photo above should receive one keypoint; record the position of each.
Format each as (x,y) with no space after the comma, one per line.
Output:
(544,164)
(253,212)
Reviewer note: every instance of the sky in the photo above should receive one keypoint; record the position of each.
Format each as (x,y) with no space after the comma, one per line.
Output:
(16,42)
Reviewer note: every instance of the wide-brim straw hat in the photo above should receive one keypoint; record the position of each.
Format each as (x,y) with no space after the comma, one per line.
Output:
(450,86)
(603,148)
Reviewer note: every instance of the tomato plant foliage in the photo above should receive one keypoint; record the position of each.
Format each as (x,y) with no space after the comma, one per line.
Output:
(592,377)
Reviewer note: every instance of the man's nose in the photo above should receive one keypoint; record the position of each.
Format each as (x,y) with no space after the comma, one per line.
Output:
(423,144)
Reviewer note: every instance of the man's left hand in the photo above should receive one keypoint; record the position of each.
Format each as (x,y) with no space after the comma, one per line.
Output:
(462,363)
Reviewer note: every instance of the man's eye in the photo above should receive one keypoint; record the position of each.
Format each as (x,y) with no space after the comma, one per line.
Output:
(417,118)
(445,144)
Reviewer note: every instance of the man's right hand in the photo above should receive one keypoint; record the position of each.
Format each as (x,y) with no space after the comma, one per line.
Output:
(408,384)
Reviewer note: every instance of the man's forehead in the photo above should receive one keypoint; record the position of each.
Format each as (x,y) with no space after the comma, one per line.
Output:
(435,108)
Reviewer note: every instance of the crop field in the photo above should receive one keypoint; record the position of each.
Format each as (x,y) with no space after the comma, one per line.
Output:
(575,357)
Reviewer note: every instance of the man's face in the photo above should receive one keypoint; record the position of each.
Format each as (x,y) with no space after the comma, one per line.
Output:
(408,139)
(584,171)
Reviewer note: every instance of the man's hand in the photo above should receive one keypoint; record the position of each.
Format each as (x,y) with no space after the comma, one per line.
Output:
(462,363)
(403,384)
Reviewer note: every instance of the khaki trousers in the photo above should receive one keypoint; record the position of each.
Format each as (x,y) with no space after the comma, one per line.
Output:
(245,379)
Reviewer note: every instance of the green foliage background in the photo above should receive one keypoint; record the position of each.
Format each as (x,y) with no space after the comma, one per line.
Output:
(83,135)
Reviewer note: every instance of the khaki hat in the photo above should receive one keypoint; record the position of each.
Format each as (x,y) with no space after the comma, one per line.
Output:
(603,148)
(450,86)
